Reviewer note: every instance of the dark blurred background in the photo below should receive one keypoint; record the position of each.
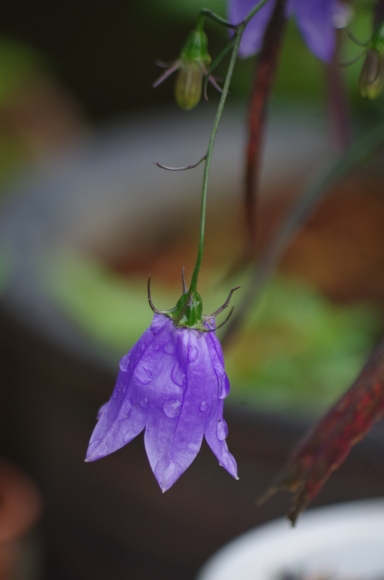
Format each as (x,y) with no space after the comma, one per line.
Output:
(67,69)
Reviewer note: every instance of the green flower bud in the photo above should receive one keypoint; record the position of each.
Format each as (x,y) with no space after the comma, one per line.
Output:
(192,66)
(189,84)
(372,75)
(194,60)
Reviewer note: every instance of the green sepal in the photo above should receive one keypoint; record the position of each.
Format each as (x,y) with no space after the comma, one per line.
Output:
(196,48)
(188,312)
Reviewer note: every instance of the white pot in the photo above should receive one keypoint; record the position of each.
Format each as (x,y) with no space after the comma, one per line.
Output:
(340,542)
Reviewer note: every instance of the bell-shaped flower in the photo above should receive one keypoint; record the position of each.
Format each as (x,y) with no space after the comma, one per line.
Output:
(316,19)
(172,383)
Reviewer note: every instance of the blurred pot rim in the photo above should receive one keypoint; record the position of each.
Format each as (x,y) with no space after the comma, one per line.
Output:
(325,541)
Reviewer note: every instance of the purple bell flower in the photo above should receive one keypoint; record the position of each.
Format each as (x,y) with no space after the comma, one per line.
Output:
(172,383)
(316,19)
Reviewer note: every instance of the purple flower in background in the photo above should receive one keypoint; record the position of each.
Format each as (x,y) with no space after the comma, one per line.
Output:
(316,19)
(172,383)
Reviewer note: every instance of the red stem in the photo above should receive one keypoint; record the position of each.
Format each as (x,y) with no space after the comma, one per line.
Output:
(262,87)
(338,101)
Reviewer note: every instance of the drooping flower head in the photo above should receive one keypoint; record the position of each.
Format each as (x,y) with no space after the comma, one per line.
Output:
(316,19)
(172,383)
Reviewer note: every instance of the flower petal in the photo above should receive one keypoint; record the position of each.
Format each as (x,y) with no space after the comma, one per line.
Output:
(315,19)
(254,32)
(215,434)
(176,422)
(125,415)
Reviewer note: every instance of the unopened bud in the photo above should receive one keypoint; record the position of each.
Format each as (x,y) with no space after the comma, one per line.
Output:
(372,75)
(189,84)
(194,60)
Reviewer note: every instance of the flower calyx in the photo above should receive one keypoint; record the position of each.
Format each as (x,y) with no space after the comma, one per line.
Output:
(192,65)
(188,312)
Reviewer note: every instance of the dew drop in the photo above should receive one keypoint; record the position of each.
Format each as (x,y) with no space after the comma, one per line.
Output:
(157,323)
(166,473)
(157,347)
(193,447)
(124,362)
(102,410)
(143,375)
(203,406)
(129,436)
(103,451)
(144,402)
(178,375)
(223,386)
(193,353)
(125,409)
(93,446)
(221,430)
(169,348)
(172,408)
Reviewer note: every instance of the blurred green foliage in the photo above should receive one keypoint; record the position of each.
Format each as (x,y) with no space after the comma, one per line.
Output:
(298,351)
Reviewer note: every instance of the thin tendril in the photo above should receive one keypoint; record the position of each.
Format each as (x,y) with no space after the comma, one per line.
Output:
(180,168)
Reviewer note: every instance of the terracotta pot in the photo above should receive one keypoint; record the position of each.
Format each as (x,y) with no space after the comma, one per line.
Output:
(20,508)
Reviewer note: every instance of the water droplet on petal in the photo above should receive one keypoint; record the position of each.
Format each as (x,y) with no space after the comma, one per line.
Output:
(103,451)
(178,375)
(172,408)
(193,447)
(93,446)
(102,410)
(143,375)
(169,348)
(223,386)
(203,406)
(193,353)
(158,322)
(124,363)
(144,402)
(125,408)
(157,347)
(221,430)
(166,473)
(129,436)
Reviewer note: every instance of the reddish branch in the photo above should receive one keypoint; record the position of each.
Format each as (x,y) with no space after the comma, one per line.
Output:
(327,445)
(262,87)
(338,100)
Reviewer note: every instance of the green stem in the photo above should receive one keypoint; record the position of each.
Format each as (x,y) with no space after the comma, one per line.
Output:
(199,258)
(238,36)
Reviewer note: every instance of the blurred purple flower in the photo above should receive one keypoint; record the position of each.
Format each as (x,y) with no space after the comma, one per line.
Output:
(172,383)
(317,20)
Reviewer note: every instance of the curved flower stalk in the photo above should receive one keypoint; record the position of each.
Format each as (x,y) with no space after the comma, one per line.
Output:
(316,19)
(172,383)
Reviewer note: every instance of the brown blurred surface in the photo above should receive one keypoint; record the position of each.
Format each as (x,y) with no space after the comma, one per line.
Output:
(109,519)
